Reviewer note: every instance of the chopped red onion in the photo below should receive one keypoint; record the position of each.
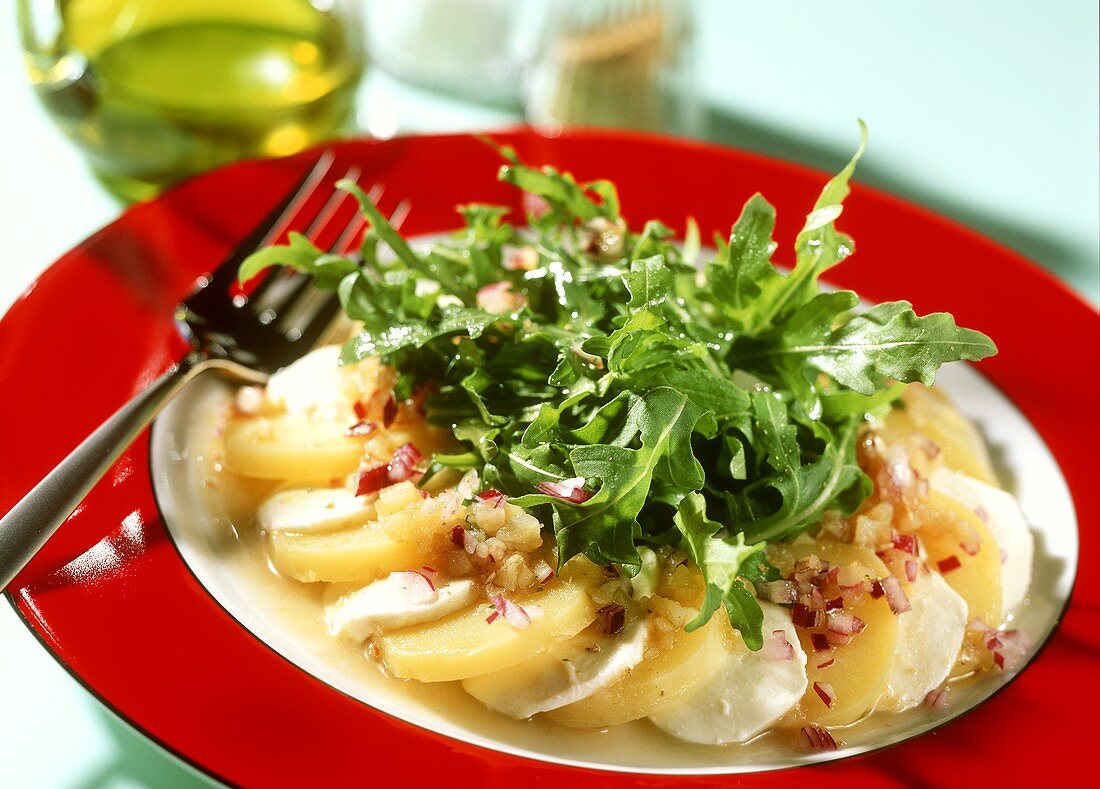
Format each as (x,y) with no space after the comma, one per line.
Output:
(416,587)
(458,537)
(906,543)
(777,647)
(571,490)
(403,464)
(835,604)
(805,618)
(825,692)
(494,497)
(611,619)
(499,299)
(513,614)
(877,590)
(930,448)
(826,663)
(1012,648)
(845,624)
(525,258)
(820,642)
(950,563)
(936,699)
(360,429)
(372,479)
(430,574)
(781,592)
(814,738)
(543,571)
(817,600)
(389,411)
(911,568)
(971,547)
(895,595)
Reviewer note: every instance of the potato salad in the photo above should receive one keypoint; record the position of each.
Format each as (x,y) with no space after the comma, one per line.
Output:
(594,475)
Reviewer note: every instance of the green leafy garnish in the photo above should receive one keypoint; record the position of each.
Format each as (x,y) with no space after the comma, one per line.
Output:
(716,412)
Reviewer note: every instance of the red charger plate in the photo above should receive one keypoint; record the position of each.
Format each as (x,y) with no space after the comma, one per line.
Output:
(111,599)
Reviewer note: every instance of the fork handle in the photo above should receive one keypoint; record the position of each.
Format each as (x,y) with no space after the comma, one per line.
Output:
(27,526)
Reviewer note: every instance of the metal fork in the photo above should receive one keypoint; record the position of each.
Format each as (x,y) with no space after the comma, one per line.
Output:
(244,336)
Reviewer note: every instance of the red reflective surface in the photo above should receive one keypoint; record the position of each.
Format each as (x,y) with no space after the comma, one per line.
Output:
(111,598)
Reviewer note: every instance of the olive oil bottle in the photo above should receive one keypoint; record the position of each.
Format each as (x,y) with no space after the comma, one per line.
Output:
(156,90)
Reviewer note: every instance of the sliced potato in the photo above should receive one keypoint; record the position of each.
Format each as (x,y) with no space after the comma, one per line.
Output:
(931,413)
(358,555)
(1001,513)
(291,447)
(946,527)
(397,541)
(465,644)
(670,669)
(860,668)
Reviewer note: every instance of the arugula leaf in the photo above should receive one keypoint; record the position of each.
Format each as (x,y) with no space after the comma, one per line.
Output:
(721,560)
(715,412)
(602,527)
(301,255)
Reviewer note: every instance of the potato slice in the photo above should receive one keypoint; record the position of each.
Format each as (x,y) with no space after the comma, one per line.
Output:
(465,644)
(931,413)
(948,531)
(291,447)
(397,541)
(1000,512)
(860,669)
(671,668)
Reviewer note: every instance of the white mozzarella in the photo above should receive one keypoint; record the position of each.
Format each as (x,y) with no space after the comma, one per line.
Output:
(582,666)
(930,636)
(746,695)
(315,384)
(398,600)
(1001,513)
(314,510)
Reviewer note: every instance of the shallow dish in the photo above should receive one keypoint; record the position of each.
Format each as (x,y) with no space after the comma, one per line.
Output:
(113,598)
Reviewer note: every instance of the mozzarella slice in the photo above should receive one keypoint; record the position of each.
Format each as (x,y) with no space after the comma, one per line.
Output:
(314,510)
(746,695)
(930,636)
(1001,513)
(315,384)
(398,600)
(582,666)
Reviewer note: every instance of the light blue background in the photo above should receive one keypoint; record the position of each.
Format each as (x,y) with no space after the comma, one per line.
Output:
(986,111)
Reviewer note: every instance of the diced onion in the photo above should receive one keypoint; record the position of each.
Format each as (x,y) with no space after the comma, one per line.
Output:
(571,490)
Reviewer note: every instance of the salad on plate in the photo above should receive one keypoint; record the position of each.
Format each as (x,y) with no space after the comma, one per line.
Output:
(595,474)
